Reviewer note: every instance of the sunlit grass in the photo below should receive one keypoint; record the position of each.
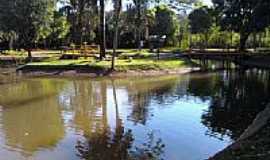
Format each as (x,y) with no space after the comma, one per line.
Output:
(128,59)
(120,65)
(15,53)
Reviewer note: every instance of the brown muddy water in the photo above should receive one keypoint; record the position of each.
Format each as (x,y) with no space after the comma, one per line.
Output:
(185,117)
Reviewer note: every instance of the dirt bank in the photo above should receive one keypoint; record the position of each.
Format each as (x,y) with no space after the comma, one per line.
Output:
(102,72)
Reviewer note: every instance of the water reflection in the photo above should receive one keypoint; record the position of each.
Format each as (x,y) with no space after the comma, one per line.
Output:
(31,121)
(140,95)
(236,101)
(89,103)
(140,118)
(117,144)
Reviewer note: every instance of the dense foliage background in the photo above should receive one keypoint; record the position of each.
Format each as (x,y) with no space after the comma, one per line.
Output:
(53,23)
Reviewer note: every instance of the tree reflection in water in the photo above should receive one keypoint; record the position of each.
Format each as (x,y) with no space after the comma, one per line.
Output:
(140,96)
(102,112)
(236,101)
(113,146)
(118,144)
(24,119)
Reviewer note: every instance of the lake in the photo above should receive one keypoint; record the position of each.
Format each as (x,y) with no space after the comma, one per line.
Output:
(172,117)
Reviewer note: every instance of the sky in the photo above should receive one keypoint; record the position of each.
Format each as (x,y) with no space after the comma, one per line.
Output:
(207,2)
(109,5)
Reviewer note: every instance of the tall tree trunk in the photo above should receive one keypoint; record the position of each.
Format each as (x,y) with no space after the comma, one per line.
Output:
(115,44)
(180,37)
(206,37)
(254,41)
(28,48)
(118,6)
(80,25)
(139,26)
(243,40)
(102,30)
(190,42)
(44,44)
(29,54)
(231,39)
(261,39)
(10,44)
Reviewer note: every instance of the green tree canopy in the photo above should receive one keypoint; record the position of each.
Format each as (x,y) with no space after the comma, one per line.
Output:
(244,17)
(200,20)
(166,22)
(27,18)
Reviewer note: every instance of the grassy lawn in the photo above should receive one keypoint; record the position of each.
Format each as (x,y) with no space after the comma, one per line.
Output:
(144,53)
(144,64)
(128,59)
(15,53)
(22,53)
(122,52)
(121,65)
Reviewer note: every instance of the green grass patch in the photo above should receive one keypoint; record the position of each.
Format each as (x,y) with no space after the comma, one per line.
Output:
(15,53)
(61,63)
(120,65)
(128,59)
(171,50)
